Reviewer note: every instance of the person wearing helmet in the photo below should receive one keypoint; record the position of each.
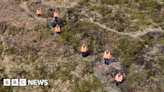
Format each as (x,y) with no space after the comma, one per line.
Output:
(57,29)
(118,79)
(83,50)
(106,57)
(56,14)
(38,12)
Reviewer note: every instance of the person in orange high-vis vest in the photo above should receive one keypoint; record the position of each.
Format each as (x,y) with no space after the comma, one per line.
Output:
(118,79)
(56,14)
(38,12)
(83,50)
(106,57)
(57,29)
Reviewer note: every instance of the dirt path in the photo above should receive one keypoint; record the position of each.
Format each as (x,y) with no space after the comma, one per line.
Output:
(63,5)
(90,19)
(130,34)
(102,77)
(112,88)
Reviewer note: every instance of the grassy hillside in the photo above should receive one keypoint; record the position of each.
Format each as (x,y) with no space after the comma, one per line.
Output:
(131,29)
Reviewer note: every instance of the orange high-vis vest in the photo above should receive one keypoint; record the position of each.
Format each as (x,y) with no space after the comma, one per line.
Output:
(106,55)
(38,11)
(56,14)
(119,78)
(83,49)
(57,29)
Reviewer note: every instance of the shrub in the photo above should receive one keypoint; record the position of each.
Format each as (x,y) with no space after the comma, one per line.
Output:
(136,79)
(10,51)
(112,2)
(3,27)
(157,19)
(83,2)
(66,33)
(129,46)
(120,28)
(127,62)
(12,30)
(34,56)
(1,48)
(102,9)
(2,70)
(87,86)
(150,3)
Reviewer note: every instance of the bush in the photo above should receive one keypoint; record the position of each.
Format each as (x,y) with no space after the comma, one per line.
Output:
(127,62)
(10,51)
(112,2)
(1,48)
(33,57)
(3,27)
(134,80)
(129,46)
(66,33)
(12,30)
(150,3)
(87,86)
(157,19)
(83,2)
(102,9)
(120,28)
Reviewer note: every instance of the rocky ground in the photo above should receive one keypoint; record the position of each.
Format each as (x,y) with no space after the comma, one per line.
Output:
(132,30)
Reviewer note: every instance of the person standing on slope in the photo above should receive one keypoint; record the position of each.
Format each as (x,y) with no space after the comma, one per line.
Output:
(56,14)
(118,79)
(83,50)
(57,29)
(106,57)
(38,12)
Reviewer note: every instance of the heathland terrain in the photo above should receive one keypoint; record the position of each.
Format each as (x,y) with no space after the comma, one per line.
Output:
(132,30)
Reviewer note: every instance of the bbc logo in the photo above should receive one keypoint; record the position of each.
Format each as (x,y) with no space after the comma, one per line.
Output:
(14,82)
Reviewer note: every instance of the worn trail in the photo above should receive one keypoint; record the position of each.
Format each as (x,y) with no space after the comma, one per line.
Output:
(102,77)
(136,34)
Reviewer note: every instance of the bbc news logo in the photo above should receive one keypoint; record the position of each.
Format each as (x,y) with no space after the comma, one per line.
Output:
(23,82)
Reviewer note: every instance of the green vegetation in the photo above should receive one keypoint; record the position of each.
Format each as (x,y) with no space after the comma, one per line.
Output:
(2,70)
(127,45)
(87,85)
(57,57)
(101,9)
(14,31)
(1,48)
(153,38)
(3,27)
(129,19)
(83,2)
(10,51)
